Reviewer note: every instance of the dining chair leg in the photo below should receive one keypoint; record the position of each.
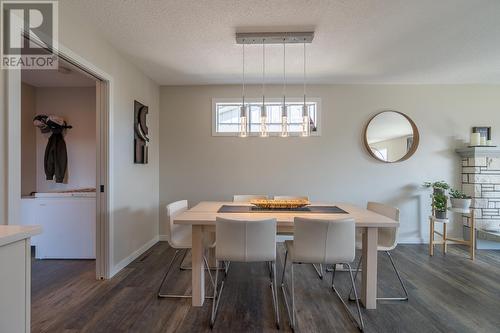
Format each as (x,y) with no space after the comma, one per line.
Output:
(355,276)
(166,273)
(181,267)
(216,297)
(319,271)
(293,298)
(359,324)
(400,281)
(164,295)
(357,299)
(399,278)
(274,289)
(290,312)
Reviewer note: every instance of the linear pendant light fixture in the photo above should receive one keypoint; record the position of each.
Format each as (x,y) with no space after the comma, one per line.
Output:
(273,38)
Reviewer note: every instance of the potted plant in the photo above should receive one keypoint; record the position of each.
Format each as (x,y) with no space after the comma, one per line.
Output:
(439,204)
(459,199)
(439,187)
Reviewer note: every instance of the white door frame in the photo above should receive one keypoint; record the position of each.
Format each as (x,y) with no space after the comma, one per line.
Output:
(104,93)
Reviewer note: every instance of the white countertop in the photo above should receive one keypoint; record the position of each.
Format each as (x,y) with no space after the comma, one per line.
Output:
(13,233)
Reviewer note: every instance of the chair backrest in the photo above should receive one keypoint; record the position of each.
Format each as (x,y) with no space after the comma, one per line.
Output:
(324,241)
(245,241)
(290,197)
(247,197)
(387,237)
(173,209)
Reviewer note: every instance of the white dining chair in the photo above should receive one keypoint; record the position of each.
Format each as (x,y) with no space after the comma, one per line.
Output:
(327,242)
(245,241)
(387,241)
(248,197)
(179,238)
(290,197)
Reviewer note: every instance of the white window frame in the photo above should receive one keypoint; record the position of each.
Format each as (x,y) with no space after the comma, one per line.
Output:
(298,100)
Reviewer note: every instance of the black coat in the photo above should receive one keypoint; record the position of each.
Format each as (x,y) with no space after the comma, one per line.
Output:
(56,158)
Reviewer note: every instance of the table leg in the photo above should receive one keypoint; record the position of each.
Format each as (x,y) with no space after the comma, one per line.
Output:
(431,237)
(369,264)
(472,236)
(198,271)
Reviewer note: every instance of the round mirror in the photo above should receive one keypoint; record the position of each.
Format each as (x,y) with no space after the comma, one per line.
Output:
(391,136)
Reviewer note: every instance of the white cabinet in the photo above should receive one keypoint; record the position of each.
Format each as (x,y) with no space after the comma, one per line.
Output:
(69,226)
(15,278)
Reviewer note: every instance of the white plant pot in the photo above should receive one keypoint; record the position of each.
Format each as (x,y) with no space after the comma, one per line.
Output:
(460,203)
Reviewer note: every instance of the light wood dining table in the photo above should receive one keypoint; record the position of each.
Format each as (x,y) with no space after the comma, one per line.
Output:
(202,219)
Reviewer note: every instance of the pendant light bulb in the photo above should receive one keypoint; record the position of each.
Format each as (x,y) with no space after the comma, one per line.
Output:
(284,113)
(263,111)
(306,126)
(243,108)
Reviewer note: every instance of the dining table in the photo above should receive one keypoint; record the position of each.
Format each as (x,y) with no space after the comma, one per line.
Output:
(202,218)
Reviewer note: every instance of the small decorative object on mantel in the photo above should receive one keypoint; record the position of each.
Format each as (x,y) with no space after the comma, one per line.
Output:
(481,137)
(140,133)
(459,199)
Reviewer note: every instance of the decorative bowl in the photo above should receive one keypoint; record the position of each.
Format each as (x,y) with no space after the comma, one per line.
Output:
(279,204)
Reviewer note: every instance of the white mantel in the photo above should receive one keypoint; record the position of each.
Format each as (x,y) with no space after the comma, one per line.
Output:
(15,277)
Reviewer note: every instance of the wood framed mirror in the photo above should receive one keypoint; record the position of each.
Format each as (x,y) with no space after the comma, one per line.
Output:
(391,136)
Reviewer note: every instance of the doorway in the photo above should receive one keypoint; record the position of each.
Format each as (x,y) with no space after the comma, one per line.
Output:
(72,68)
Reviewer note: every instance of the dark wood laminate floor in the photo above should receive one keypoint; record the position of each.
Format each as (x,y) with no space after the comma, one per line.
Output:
(447,294)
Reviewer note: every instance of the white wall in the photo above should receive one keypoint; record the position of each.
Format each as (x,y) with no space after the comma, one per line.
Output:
(28,139)
(335,167)
(133,188)
(78,107)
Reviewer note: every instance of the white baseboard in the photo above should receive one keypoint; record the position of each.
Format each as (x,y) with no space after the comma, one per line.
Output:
(136,254)
(163,238)
(412,240)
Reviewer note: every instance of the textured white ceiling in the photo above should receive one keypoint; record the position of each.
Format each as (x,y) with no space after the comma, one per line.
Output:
(54,78)
(180,42)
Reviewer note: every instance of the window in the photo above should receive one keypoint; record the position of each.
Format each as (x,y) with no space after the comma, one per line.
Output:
(226,116)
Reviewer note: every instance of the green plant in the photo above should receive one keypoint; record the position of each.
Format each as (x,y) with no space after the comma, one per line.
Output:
(456,194)
(439,202)
(442,185)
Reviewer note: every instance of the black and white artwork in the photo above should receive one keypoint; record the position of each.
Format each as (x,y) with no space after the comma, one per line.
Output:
(140,133)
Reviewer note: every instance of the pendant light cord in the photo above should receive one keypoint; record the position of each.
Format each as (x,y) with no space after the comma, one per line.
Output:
(243,74)
(284,72)
(263,70)
(304,72)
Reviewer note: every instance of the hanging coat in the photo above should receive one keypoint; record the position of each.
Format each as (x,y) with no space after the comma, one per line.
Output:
(56,157)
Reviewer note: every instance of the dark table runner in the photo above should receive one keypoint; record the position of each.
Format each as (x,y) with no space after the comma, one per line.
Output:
(306,209)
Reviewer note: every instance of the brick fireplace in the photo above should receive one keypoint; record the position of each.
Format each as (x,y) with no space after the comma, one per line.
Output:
(481,180)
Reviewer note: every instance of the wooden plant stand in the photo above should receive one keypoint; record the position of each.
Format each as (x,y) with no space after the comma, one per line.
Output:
(445,240)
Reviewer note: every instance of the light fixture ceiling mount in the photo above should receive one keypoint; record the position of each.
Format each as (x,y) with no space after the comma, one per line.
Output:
(274,37)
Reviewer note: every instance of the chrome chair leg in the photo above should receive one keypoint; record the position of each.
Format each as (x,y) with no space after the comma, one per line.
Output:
(218,293)
(400,281)
(163,295)
(290,312)
(274,290)
(216,297)
(355,276)
(319,271)
(182,268)
(399,278)
(359,324)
